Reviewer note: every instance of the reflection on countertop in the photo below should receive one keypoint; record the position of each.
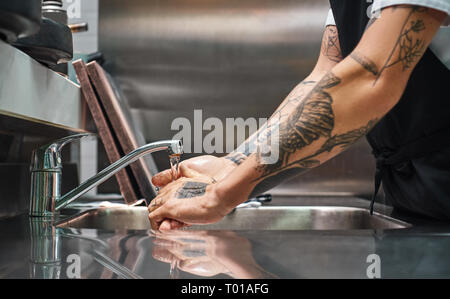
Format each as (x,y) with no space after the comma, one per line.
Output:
(34,248)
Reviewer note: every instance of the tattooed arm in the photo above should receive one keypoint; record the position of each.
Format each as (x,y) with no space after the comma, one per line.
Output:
(330,55)
(345,104)
(342,107)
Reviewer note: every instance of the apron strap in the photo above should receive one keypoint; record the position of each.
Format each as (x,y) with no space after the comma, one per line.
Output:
(418,148)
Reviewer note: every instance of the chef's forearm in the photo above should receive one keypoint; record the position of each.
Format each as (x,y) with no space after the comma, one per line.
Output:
(241,153)
(336,113)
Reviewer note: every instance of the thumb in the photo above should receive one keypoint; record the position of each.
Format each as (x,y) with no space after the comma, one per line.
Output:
(160,218)
(165,177)
(169,224)
(162,178)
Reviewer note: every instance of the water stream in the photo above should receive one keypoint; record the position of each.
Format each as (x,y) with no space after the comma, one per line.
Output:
(174,166)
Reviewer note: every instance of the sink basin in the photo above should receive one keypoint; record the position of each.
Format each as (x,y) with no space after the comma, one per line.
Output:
(262,218)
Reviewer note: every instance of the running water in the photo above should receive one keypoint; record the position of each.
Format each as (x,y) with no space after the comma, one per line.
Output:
(174,166)
(174,162)
(174,273)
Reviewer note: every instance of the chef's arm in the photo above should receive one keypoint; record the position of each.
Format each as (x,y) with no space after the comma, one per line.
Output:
(342,107)
(330,55)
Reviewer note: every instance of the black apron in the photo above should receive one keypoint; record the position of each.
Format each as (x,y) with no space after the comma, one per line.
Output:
(412,142)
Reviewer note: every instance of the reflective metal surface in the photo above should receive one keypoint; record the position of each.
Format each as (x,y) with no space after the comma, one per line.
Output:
(45,259)
(263,218)
(230,57)
(46,173)
(32,248)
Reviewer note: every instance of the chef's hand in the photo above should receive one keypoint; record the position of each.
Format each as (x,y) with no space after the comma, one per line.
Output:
(203,163)
(212,167)
(197,198)
(187,201)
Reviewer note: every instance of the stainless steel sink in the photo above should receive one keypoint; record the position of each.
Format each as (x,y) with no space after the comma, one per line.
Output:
(262,218)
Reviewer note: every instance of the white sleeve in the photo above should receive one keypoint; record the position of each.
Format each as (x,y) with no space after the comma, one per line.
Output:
(330,19)
(442,5)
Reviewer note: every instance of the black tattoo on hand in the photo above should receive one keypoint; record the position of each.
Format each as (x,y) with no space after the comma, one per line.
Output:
(192,189)
(157,202)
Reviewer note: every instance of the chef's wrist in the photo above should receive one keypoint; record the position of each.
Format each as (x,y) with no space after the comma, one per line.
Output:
(229,166)
(229,193)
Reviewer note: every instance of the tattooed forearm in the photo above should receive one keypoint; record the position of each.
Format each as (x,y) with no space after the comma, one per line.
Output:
(339,140)
(409,46)
(269,182)
(240,154)
(301,90)
(330,44)
(348,138)
(192,189)
(313,118)
(365,62)
(236,157)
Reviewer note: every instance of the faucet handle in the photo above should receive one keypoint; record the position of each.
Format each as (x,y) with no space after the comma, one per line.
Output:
(48,157)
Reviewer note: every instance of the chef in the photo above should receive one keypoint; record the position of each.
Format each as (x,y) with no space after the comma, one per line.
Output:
(379,76)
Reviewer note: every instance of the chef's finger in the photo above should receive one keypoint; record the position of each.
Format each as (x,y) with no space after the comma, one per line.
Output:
(163,178)
(158,215)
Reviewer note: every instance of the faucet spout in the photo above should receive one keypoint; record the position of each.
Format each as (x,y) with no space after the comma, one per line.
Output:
(46,205)
(174,147)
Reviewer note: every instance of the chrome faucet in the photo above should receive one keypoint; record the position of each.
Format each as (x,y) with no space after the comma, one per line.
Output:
(46,173)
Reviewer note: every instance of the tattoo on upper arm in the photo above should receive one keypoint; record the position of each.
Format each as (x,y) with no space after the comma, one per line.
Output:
(330,44)
(192,189)
(409,46)
(365,62)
